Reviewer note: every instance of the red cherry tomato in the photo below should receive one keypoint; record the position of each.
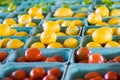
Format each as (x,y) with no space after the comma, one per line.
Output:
(21,59)
(55,72)
(50,59)
(50,77)
(96,58)
(37,73)
(83,61)
(83,53)
(91,75)
(111,75)
(59,58)
(19,75)
(97,78)
(79,79)
(27,79)
(43,58)
(117,59)
(33,54)
(7,78)
(3,55)
(111,61)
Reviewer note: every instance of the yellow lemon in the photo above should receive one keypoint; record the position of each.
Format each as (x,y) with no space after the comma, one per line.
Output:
(38,34)
(101,24)
(51,26)
(71,43)
(114,21)
(115,12)
(103,11)
(39,16)
(118,31)
(5,41)
(60,34)
(77,22)
(90,31)
(94,18)
(72,30)
(21,33)
(66,23)
(34,11)
(9,21)
(4,30)
(48,37)
(80,15)
(55,45)
(93,45)
(24,19)
(38,45)
(114,29)
(112,44)
(16,25)
(1,43)
(63,12)
(31,24)
(107,28)
(12,32)
(60,22)
(15,43)
(101,36)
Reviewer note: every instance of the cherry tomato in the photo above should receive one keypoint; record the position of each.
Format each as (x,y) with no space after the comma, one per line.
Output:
(91,75)
(43,58)
(111,61)
(97,78)
(79,79)
(19,75)
(21,59)
(59,58)
(83,61)
(111,75)
(37,73)
(50,59)
(50,77)
(3,55)
(96,58)
(7,78)
(33,54)
(83,53)
(55,72)
(27,79)
(117,59)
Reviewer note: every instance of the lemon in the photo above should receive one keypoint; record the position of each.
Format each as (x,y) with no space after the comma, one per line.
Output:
(21,33)
(94,18)
(48,37)
(101,24)
(112,44)
(15,43)
(93,45)
(60,34)
(9,21)
(5,41)
(51,26)
(114,21)
(103,11)
(118,31)
(1,43)
(39,16)
(45,22)
(12,32)
(63,12)
(34,11)
(114,29)
(16,25)
(72,30)
(24,19)
(107,28)
(4,30)
(38,45)
(71,43)
(115,12)
(66,23)
(77,22)
(31,24)
(101,36)
(80,15)
(38,34)
(60,22)
(55,45)
(90,31)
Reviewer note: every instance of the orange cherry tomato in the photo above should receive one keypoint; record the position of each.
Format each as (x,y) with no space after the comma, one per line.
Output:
(97,78)
(21,59)
(117,59)
(50,59)
(3,55)
(111,75)
(50,77)
(59,58)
